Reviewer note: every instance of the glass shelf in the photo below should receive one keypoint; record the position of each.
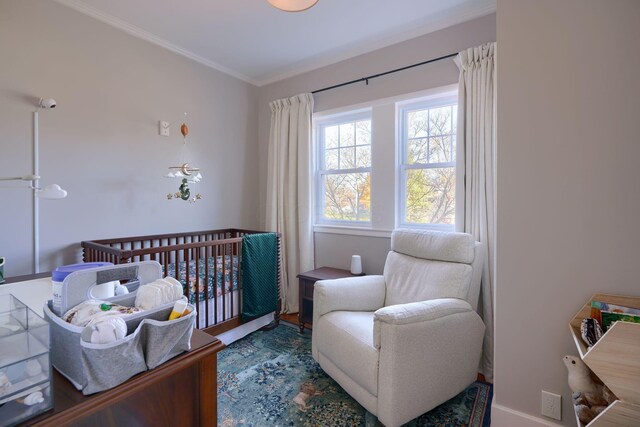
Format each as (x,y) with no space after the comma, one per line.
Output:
(24,361)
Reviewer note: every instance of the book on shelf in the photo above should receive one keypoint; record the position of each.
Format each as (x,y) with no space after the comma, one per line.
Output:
(609,318)
(606,314)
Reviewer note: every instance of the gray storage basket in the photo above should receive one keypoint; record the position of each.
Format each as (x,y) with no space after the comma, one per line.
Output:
(151,339)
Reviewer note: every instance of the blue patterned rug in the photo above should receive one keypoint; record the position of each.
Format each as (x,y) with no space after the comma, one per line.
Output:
(260,378)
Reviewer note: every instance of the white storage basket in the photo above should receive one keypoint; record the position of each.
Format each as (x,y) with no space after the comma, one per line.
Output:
(151,339)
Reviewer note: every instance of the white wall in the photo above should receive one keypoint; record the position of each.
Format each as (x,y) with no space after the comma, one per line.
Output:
(101,143)
(568,181)
(332,249)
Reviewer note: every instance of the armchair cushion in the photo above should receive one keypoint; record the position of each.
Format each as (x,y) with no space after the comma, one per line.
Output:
(410,279)
(423,311)
(439,246)
(346,338)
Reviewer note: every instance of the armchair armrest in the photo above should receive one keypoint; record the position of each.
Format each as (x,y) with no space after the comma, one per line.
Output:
(420,312)
(402,314)
(364,293)
(436,342)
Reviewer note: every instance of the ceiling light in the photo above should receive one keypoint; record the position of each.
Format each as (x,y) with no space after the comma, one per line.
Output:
(293,5)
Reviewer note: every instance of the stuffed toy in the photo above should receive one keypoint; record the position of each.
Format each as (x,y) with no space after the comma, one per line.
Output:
(589,397)
(585,414)
(307,390)
(580,376)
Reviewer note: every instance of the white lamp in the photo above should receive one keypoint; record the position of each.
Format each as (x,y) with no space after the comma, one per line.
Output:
(356,265)
(52,191)
(293,5)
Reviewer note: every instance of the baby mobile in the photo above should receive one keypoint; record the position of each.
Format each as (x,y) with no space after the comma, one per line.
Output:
(188,175)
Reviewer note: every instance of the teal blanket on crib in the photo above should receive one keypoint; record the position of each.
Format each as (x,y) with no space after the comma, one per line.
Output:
(259,274)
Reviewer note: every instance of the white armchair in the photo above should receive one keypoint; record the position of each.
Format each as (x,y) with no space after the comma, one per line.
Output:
(404,342)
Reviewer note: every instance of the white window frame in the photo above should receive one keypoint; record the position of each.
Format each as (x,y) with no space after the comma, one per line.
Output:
(441,99)
(319,126)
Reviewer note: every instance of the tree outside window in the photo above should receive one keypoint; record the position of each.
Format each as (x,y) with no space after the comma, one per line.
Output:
(414,168)
(345,170)
(429,165)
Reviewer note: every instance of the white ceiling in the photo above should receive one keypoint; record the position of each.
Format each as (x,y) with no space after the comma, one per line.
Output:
(251,40)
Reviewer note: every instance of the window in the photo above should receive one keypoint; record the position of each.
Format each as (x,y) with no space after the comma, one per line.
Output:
(428,163)
(344,169)
(386,164)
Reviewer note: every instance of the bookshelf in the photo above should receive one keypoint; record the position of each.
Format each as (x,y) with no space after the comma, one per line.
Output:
(615,360)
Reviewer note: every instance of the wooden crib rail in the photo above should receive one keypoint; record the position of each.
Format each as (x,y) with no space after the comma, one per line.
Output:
(135,248)
(121,249)
(155,253)
(218,232)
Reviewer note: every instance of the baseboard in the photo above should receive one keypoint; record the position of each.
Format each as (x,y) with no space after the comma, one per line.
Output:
(245,329)
(501,416)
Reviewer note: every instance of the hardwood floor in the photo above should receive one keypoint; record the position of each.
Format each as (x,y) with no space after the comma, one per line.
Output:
(290,318)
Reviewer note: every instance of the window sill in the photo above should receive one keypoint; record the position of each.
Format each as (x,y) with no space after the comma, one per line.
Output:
(351,231)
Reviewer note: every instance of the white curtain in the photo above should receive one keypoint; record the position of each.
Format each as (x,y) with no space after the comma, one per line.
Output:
(476,146)
(288,189)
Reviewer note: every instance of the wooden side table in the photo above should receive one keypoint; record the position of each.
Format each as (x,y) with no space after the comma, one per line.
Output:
(306,282)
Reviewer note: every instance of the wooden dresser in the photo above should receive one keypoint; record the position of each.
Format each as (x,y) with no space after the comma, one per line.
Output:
(180,392)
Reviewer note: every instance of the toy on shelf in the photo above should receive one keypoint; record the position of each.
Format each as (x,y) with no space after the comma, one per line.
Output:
(580,376)
(589,397)
(590,331)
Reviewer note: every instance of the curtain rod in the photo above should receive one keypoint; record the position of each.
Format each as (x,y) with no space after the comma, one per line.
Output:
(366,79)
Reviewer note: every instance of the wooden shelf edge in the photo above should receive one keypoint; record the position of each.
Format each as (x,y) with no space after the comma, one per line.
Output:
(619,413)
(585,311)
(615,359)
(577,339)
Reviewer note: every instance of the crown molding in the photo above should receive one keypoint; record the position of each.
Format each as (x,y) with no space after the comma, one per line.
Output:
(152,38)
(461,15)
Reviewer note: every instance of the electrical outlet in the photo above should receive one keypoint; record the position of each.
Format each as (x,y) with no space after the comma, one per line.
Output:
(163,128)
(551,405)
